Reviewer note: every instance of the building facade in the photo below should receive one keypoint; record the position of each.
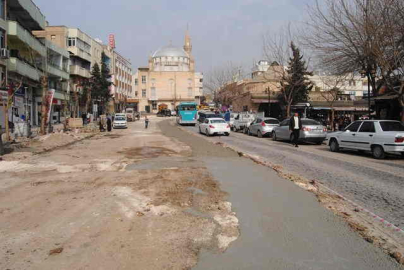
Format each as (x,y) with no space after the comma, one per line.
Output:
(122,85)
(169,79)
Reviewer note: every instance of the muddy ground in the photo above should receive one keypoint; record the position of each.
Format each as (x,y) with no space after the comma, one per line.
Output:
(132,199)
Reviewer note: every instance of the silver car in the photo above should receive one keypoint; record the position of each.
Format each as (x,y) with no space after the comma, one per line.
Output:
(312,131)
(262,127)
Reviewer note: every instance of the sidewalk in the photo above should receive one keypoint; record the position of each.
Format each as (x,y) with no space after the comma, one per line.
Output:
(281,225)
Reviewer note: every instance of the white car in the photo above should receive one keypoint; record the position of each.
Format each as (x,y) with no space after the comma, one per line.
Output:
(120,121)
(212,126)
(377,136)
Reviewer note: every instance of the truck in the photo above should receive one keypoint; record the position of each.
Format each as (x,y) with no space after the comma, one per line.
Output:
(130,114)
(242,121)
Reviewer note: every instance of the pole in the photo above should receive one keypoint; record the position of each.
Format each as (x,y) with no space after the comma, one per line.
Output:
(369,95)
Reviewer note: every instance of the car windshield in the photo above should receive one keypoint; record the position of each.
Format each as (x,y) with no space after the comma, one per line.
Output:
(309,122)
(391,126)
(120,118)
(271,121)
(217,121)
(187,108)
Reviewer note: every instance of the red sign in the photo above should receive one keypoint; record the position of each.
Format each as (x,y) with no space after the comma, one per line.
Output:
(111,41)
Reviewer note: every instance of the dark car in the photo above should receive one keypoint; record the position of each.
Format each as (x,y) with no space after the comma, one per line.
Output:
(204,115)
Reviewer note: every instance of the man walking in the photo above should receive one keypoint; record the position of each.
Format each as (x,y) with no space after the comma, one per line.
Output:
(295,125)
(146,122)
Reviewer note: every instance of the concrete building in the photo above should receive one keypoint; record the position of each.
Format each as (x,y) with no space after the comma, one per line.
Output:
(122,76)
(26,63)
(169,79)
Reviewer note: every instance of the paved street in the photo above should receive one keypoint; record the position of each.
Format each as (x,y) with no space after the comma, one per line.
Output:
(375,184)
(116,200)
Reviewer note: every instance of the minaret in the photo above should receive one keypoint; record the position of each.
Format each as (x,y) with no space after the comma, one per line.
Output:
(188,44)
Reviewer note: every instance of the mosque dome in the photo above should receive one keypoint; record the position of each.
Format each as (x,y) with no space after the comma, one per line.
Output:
(170,51)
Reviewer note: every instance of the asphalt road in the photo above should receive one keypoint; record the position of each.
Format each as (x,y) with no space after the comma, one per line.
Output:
(377,185)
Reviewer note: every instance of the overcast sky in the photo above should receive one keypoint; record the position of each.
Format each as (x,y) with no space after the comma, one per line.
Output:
(221,30)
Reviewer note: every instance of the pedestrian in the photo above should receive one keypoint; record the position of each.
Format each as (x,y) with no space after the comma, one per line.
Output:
(84,117)
(295,125)
(109,123)
(146,122)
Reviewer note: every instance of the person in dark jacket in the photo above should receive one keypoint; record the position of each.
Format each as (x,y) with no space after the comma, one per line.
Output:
(109,123)
(295,125)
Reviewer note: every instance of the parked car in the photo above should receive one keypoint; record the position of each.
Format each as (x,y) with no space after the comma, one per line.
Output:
(262,127)
(213,126)
(243,121)
(232,117)
(376,136)
(173,113)
(164,113)
(120,121)
(203,115)
(312,131)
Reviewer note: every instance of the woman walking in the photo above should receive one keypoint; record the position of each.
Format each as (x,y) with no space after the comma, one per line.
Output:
(146,122)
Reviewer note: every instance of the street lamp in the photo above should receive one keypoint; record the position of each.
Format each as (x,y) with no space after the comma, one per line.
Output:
(369,72)
(267,91)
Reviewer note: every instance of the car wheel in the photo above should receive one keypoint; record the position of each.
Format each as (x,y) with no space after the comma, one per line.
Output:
(207,133)
(378,152)
(259,134)
(200,131)
(334,146)
(226,134)
(274,136)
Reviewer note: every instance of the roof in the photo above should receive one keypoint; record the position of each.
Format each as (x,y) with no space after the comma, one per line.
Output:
(170,51)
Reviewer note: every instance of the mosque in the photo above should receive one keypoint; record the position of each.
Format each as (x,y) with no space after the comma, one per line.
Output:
(169,79)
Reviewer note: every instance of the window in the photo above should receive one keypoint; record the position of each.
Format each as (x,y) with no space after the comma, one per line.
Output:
(2,39)
(154,105)
(354,126)
(153,92)
(3,9)
(285,122)
(391,126)
(200,80)
(143,79)
(71,42)
(368,127)
(143,93)
(53,37)
(189,91)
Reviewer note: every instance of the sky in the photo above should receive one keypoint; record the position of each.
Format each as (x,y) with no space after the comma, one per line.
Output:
(222,31)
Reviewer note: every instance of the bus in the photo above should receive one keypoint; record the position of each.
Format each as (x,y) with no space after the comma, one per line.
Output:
(187,113)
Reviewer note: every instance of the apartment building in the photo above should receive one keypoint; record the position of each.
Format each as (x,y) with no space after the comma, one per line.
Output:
(122,76)
(26,60)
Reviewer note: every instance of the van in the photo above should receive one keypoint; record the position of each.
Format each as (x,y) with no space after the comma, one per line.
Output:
(120,121)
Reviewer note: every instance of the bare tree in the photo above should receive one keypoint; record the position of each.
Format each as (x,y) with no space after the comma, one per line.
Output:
(360,36)
(280,50)
(217,78)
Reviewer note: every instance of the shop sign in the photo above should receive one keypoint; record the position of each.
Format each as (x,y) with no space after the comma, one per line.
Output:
(3,96)
(18,102)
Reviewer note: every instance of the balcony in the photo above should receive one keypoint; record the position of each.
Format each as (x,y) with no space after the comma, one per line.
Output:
(80,53)
(18,34)
(22,68)
(79,71)
(29,13)
(57,72)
